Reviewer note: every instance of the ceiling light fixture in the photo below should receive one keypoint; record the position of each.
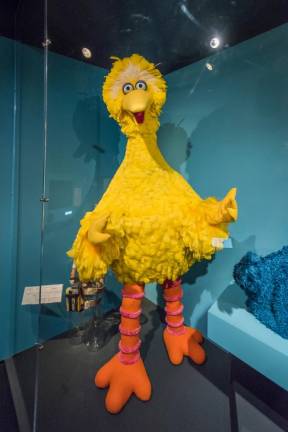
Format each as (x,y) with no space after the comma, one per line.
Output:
(215,42)
(209,66)
(86,53)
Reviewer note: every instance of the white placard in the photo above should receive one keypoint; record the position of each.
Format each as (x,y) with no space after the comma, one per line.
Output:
(222,243)
(49,294)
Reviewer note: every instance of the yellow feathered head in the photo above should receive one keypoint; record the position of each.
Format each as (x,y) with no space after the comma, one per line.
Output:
(134,92)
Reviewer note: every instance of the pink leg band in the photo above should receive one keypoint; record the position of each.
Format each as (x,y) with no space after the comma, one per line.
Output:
(128,314)
(136,296)
(175,325)
(175,312)
(129,350)
(123,359)
(175,332)
(127,332)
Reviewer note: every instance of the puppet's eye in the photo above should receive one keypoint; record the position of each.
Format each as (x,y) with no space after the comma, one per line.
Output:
(141,85)
(127,88)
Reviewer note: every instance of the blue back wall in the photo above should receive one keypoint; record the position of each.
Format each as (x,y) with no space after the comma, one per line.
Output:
(82,157)
(228,127)
(20,167)
(7,179)
(221,128)
(82,148)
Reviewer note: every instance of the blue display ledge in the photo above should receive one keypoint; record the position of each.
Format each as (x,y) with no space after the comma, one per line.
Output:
(232,327)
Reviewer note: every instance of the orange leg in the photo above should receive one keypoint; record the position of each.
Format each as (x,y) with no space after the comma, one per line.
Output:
(125,373)
(179,340)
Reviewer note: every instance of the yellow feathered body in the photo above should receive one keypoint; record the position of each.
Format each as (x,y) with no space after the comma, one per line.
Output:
(158,225)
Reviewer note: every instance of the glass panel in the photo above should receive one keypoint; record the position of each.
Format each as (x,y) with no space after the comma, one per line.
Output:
(81,141)
(21,179)
(81,158)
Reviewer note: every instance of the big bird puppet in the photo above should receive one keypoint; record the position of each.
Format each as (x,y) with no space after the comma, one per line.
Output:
(149,226)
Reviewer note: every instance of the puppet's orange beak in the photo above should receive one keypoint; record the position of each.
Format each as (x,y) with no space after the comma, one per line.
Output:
(137,102)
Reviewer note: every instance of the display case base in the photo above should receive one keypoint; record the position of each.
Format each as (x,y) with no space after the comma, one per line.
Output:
(236,330)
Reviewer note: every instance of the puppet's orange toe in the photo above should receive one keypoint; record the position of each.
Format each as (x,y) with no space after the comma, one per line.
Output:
(117,396)
(102,378)
(196,352)
(123,380)
(186,344)
(196,335)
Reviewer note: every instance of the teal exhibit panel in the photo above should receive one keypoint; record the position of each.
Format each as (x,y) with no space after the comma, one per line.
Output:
(225,123)
(82,154)
(21,186)
(6,159)
(232,327)
(83,148)
(7,147)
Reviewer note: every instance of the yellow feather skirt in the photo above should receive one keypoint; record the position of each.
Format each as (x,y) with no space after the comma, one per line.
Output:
(158,225)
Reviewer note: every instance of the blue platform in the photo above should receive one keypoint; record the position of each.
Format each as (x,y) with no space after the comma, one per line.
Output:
(236,330)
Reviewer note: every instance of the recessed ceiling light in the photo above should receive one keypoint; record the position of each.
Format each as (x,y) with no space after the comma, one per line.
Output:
(86,52)
(215,42)
(209,66)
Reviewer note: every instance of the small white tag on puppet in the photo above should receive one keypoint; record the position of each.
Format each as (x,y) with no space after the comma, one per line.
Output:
(221,243)
(49,294)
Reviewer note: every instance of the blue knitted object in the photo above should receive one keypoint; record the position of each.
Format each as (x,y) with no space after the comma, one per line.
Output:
(265,281)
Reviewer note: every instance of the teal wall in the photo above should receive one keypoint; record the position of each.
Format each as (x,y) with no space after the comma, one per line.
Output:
(81,158)
(7,178)
(28,190)
(20,167)
(228,127)
(221,128)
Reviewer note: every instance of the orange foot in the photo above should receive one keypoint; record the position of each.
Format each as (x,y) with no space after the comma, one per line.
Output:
(123,380)
(187,344)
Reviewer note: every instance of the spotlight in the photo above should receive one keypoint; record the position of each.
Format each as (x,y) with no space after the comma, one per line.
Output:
(86,53)
(209,66)
(215,42)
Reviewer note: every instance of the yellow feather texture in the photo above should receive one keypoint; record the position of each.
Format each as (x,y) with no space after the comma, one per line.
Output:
(158,225)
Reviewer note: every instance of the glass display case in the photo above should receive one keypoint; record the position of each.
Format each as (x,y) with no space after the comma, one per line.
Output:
(223,125)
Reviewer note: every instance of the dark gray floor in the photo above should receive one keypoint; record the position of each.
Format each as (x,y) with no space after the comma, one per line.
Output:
(185,397)
(8,422)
